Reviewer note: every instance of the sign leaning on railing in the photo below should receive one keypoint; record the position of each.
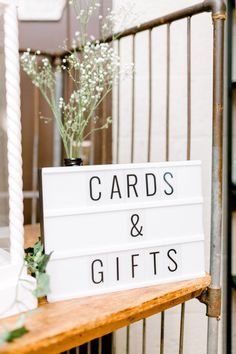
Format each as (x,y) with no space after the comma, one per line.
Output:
(116,227)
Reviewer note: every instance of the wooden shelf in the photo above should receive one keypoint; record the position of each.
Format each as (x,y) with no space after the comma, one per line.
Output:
(57,327)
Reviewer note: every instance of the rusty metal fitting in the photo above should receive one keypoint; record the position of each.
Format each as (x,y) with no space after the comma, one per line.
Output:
(219,16)
(212,299)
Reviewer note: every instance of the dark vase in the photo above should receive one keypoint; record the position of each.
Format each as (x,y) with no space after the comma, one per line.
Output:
(73,161)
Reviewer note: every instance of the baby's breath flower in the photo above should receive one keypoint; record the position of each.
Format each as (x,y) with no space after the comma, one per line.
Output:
(94,70)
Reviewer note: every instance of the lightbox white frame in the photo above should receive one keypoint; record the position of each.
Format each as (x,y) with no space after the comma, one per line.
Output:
(64,262)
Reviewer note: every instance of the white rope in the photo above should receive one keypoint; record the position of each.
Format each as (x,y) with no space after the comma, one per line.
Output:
(14,134)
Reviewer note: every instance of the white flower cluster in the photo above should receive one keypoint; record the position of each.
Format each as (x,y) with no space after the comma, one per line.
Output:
(41,75)
(83,15)
(93,74)
(125,17)
(115,22)
(94,67)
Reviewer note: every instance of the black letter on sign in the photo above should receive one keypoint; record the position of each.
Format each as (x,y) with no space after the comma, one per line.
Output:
(117,269)
(147,184)
(175,264)
(155,261)
(135,231)
(134,265)
(90,188)
(171,188)
(93,278)
(115,183)
(129,184)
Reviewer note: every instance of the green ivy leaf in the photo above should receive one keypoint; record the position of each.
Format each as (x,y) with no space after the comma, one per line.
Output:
(37,262)
(17,333)
(42,265)
(37,259)
(38,248)
(43,287)
(9,336)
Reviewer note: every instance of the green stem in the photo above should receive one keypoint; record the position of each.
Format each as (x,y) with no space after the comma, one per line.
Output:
(95,130)
(54,110)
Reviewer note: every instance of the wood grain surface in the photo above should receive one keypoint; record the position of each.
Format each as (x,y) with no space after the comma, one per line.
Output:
(60,326)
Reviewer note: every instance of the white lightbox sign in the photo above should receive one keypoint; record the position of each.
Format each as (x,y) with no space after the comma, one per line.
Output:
(116,227)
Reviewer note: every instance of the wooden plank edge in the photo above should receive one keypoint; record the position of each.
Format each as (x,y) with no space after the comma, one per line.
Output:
(64,339)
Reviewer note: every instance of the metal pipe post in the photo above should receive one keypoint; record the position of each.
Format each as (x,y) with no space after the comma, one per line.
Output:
(218,16)
(228,340)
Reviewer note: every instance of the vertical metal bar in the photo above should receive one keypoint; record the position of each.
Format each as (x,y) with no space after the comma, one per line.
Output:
(56,135)
(89,348)
(68,25)
(228,341)
(150,97)
(218,16)
(132,151)
(113,344)
(100,345)
(216,216)
(133,101)
(77,350)
(168,93)
(127,339)
(118,112)
(106,105)
(162,333)
(167,152)
(189,88)
(144,337)
(181,336)
(104,132)
(35,155)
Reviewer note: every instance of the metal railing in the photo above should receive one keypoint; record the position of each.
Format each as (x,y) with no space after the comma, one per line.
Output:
(218,11)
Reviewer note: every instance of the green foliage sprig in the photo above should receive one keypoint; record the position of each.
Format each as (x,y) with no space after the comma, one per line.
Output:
(8,336)
(36,262)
